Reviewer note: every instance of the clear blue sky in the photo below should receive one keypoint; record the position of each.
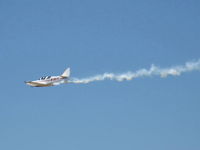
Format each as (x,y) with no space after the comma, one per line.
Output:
(40,38)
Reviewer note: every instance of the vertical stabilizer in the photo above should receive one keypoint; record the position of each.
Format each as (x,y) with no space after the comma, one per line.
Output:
(66,73)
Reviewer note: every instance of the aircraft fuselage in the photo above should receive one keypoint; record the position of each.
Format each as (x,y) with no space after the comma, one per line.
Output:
(50,80)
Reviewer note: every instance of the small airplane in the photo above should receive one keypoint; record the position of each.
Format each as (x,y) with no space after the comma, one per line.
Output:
(50,80)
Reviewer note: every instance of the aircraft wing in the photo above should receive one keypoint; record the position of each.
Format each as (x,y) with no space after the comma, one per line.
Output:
(36,84)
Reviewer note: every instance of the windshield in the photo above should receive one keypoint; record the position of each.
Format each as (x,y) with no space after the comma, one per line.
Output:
(46,77)
(42,78)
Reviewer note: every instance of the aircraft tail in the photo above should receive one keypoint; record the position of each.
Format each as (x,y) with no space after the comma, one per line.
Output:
(66,73)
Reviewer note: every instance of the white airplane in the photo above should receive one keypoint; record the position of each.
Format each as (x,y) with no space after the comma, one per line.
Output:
(50,80)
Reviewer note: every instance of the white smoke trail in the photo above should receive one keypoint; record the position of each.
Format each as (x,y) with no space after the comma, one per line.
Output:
(59,82)
(152,71)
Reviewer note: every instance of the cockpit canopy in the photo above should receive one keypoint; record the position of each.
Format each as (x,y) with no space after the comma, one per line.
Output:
(44,78)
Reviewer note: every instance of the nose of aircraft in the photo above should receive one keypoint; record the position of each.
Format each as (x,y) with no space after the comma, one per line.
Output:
(28,82)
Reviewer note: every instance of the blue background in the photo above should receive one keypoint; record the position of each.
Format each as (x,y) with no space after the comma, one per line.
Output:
(39,38)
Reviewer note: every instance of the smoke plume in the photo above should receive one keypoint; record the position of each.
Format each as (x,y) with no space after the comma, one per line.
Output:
(152,71)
